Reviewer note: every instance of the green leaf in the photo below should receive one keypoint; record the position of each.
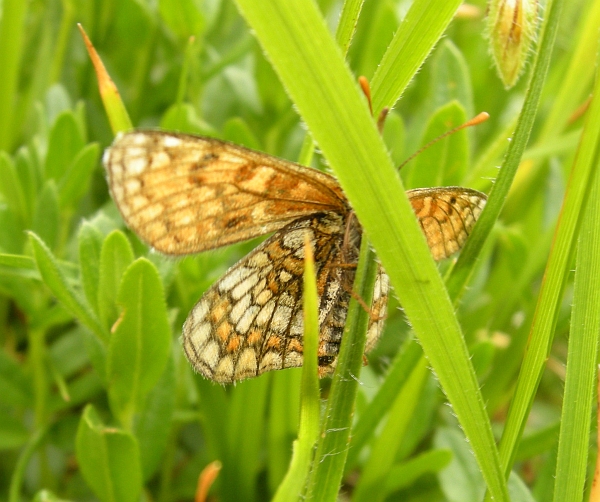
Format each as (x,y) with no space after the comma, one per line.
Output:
(347,23)
(326,475)
(64,143)
(463,267)
(47,496)
(90,245)
(382,24)
(184,117)
(154,422)
(30,174)
(12,236)
(241,466)
(140,344)
(54,278)
(33,444)
(17,261)
(518,490)
(282,429)
(115,257)
(97,351)
(76,181)
(68,354)
(109,459)
(450,79)
(404,474)
(445,162)
(402,367)
(184,17)
(237,131)
(13,434)
(46,219)
(461,481)
(15,386)
(539,441)
(394,135)
(11,188)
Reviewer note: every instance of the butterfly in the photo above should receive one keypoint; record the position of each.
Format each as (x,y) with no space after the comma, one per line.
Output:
(184,194)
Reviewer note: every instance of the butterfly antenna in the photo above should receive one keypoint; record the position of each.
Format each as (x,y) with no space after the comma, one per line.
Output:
(478,119)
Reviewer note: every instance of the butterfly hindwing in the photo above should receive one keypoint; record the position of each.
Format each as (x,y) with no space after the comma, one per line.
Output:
(446,215)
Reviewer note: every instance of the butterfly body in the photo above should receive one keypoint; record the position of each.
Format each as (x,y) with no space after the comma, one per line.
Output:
(185,194)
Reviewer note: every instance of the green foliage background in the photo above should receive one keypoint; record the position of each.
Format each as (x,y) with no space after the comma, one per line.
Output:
(92,409)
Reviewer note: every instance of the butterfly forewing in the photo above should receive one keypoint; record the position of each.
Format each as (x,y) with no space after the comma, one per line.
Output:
(184,194)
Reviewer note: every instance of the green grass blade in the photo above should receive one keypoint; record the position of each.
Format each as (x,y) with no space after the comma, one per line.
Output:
(310,65)
(11,48)
(399,372)
(575,82)
(573,445)
(12,189)
(401,475)
(464,265)
(332,449)
(347,24)
(422,27)
(542,330)
(308,431)
(371,486)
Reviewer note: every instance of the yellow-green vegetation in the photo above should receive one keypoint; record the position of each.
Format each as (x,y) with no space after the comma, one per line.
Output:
(483,383)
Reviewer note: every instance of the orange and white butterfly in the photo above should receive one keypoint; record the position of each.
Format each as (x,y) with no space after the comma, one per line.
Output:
(185,194)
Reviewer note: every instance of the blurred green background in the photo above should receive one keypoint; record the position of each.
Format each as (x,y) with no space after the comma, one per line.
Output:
(194,66)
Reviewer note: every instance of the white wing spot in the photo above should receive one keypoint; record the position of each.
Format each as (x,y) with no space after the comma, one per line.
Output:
(199,335)
(243,287)
(224,370)
(239,308)
(171,141)
(245,321)
(246,364)
(281,318)
(265,314)
(293,359)
(233,278)
(135,138)
(210,354)
(271,361)
(137,165)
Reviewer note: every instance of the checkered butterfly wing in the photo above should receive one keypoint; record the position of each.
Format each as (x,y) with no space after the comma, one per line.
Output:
(446,215)
(251,320)
(184,194)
